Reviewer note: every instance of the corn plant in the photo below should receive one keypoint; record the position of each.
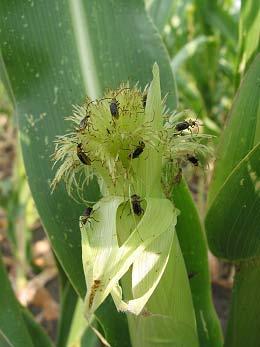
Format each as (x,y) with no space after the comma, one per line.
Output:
(133,265)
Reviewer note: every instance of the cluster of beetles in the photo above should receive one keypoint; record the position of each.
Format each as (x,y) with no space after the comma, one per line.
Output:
(114,108)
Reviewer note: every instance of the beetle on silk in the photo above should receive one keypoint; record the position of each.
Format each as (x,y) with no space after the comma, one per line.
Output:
(193,160)
(114,104)
(114,108)
(82,155)
(138,151)
(85,121)
(186,124)
(144,99)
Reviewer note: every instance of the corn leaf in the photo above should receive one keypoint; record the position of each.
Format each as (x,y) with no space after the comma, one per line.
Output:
(38,336)
(243,325)
(13,331)
(233,217)
(249,35)
(235,235)
(68,302)
(242,132)
(73,329)
(161,11)
(225,23)
(89,339)
(5,80)
(109,326)
(236,175)
(78,327)
(188,50)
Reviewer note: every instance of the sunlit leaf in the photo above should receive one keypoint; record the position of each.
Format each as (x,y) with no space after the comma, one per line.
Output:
(242,131)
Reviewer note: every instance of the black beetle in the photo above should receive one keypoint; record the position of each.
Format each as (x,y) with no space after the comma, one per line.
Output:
(186,124)
(87,216)
(114,108)
(136,204)
(138,151)
(193,160)
(82,155)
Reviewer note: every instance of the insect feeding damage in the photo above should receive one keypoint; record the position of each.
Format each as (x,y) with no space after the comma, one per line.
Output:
(93,291)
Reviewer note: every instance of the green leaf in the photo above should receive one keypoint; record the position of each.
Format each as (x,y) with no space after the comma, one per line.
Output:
(111,326)
(5,80)
(243,326)
(233,220)
(68,304)
(78,325)
(242,132)
(13,330)
(188,50)
(70,328)
(38,335)
(161,11)
(223,21)
(89,339)
(249,35)
(194,249)
(73,328)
